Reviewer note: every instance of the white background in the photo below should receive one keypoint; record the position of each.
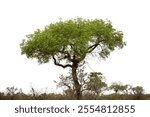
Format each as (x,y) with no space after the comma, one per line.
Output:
(21,17)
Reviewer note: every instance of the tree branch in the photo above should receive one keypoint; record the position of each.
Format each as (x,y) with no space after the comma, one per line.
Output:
(58,64)
(92,47)
(65,84)
(67,55)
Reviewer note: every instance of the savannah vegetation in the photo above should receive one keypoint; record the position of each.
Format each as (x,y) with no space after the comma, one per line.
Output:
(94,87)
(69,44)
(90,91)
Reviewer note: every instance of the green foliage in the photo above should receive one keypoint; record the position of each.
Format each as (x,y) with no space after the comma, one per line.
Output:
(91,83)
(96,83)
(68,43)
(12,93)
(78,37)
(118,87)
(138,90)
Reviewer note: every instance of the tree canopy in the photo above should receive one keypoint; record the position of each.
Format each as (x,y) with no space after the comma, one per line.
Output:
(69,42)
(96,83)
(72,39)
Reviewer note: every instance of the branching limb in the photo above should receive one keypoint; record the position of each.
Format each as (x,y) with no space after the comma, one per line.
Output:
(58,64)
(92,47)
(67,55)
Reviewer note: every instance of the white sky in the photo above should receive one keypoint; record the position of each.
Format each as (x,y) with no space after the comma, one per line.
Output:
(21,17)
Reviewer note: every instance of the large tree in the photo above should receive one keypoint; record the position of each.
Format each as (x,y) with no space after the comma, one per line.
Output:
(68,43)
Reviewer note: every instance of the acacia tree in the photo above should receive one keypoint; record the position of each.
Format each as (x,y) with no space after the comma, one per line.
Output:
(138,90)
(68,43)
(96,83)
(117,87)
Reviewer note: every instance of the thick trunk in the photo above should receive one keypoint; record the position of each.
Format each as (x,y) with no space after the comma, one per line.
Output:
(77,85)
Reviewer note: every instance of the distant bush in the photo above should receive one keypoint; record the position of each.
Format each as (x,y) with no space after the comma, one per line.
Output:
(124,92)
(86,96)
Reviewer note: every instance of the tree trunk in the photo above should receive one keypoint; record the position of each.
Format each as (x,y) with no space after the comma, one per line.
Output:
(77,85)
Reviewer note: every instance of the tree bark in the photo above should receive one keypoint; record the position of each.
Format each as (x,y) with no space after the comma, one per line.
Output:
(77,85)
